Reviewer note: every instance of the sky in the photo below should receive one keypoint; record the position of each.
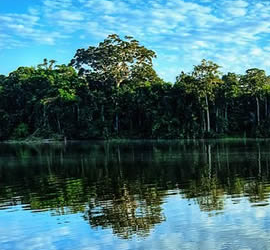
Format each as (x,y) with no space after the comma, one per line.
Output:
(233,33)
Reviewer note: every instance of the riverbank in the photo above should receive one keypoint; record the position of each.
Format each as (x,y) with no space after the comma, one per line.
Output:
(114,140)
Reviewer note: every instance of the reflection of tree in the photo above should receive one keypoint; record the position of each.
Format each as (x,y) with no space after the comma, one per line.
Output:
(256,188)
(128,213)
(62,196)
(118,185)
(212,195)
(207,191)
(236,186)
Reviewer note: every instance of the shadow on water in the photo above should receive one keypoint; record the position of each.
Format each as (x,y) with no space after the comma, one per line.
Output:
(123,186)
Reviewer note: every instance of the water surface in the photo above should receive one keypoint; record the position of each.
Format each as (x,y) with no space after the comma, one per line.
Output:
(135,195)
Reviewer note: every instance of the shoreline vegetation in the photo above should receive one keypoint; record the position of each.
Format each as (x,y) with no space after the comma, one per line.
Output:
(113,140)
(127,140)
(111,91)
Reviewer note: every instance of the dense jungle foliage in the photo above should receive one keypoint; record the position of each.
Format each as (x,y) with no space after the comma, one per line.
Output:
(112,91)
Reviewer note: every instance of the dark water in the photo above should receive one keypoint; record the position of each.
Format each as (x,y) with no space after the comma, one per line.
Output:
(135,195)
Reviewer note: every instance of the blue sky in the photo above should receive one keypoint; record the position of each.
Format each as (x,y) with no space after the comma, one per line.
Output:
(233,33)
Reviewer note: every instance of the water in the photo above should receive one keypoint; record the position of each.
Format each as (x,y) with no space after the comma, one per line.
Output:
(135,195)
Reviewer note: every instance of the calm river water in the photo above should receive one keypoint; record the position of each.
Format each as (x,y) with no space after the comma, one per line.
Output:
(135,195)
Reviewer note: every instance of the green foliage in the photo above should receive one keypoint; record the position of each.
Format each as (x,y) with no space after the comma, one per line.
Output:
(116,93)
(263,130)
(113,59)
(255,81)
(21,131)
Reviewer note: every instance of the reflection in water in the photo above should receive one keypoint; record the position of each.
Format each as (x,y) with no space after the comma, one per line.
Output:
(124,186)
(127,213)
(206,189)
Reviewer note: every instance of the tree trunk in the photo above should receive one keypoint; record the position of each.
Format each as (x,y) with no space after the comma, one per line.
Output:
(258,111)
(116,123)
(44,116)
(217,120)
(102,113)
(207,114)
(78,113)
(203,118)
(226,113)
(117,115)
(266,108)
(58,125)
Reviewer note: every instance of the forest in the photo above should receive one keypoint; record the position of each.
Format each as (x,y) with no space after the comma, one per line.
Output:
(112,91)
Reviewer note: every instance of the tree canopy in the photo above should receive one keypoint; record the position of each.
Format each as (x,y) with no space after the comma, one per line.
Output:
(112,91)
(113,59)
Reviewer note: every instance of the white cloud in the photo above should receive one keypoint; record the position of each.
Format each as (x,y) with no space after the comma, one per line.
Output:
(57,4)
(237,11)
(107,6)
(256,52)
(200,44)
(236,8)
(26,27)
(190,29)
(70,15)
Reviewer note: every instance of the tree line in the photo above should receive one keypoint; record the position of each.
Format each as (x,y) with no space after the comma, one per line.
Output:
(112,91)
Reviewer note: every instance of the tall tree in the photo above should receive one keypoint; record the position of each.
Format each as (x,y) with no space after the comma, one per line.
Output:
(113,61)
(202,82)
(208,79)
(226,98)
(255,81)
